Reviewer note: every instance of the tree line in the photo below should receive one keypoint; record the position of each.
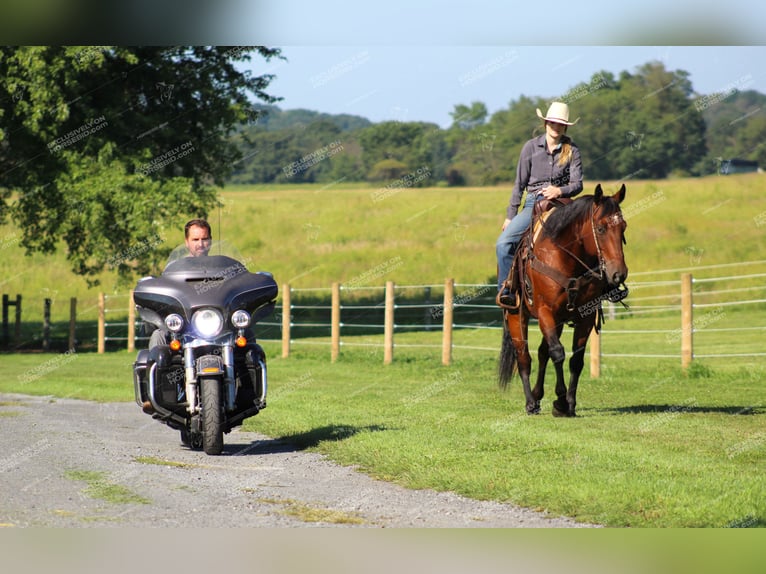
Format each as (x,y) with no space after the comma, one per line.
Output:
(645,125)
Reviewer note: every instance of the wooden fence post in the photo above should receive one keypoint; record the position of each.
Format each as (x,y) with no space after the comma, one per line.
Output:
(131,323)
(388,329)
(595,354)
(101,322)
(687,321)
(72,323)
(286,320)
(449,293)
(47,324)
(335,322)
(17,329)
(6,338)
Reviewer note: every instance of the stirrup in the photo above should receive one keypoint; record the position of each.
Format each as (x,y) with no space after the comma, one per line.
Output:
(503,301)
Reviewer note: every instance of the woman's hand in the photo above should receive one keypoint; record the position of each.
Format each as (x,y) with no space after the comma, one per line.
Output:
(552,192)
(505,224)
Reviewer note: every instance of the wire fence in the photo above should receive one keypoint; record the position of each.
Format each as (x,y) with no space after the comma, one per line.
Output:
(724,312)
(725,318)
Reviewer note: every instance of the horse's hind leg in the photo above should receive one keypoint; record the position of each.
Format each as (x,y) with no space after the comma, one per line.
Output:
(518,327)
(542,362)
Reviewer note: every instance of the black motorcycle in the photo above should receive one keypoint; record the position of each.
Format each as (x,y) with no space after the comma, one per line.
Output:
(208,374)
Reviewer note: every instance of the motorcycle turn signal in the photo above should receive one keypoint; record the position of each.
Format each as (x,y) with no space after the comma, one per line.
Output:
(240,341)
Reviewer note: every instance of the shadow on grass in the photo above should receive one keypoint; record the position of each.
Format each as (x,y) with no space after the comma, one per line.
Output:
(333,433)
(648,409)
(300,441)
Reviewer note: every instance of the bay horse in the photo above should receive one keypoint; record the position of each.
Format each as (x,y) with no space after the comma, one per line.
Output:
(561,276)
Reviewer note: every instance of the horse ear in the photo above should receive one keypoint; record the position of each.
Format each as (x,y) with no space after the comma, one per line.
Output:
(598,195)
(620,195)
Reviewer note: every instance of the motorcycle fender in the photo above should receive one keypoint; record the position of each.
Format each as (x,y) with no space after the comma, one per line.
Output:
(210,365)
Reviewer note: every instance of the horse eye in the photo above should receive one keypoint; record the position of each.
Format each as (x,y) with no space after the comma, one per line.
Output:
(601,229)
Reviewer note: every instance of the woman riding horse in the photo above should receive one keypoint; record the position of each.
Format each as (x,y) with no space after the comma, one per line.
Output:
(549,168)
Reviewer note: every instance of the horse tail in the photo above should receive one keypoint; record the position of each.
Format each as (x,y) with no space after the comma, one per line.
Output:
(507,363)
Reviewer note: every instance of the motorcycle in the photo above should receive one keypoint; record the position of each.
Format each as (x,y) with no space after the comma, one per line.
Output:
(211,374)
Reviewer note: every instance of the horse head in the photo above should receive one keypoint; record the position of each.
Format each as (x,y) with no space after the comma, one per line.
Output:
(609,235)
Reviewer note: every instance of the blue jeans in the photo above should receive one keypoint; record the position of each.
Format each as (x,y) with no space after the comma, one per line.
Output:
(510,238)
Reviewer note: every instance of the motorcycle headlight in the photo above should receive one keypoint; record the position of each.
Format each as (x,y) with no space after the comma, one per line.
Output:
(207,322)
(174,322)
(240,319)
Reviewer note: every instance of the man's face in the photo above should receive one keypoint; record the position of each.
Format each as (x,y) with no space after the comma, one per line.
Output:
(198,241)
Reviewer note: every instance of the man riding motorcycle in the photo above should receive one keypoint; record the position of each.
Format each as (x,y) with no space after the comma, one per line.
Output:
(203,372)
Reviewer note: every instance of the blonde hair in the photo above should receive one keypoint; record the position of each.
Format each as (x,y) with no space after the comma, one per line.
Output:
(566,150)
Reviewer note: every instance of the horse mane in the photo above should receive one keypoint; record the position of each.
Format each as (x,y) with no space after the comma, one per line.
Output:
(564,216)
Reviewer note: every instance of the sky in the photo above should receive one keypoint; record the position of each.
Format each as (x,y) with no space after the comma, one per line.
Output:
(414,60)
(425,82)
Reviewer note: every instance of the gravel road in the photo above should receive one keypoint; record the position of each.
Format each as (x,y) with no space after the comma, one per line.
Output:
(70,463)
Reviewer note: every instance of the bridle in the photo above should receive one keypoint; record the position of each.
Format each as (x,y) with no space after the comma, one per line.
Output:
(572,285)
(601,261)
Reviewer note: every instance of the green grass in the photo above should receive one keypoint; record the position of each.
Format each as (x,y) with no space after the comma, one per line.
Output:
(161,461)
(653,446)
(307,513)
(87,376)
(100,487)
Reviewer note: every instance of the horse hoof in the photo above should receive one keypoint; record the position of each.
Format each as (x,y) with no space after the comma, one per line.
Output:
(534,411)
(562,413)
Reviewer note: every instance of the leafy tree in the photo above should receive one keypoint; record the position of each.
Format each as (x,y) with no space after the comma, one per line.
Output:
(469,117)
(641,125)
(103,147)
(736,126)
(388,169)
(394,140)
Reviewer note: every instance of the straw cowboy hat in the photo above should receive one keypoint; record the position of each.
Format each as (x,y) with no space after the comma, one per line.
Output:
(558,112)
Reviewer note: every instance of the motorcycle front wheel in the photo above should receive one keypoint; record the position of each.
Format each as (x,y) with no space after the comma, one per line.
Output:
(212,429)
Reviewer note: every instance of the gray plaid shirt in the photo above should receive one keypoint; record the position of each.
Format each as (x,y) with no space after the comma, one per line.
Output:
(539,168)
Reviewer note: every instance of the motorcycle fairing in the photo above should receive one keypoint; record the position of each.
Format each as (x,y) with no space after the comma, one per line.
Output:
(187,285)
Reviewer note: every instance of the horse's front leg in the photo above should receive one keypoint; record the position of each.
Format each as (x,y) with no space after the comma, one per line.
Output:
(552,333)
(576,362)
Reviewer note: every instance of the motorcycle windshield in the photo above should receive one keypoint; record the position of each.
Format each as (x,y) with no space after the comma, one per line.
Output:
(223,248)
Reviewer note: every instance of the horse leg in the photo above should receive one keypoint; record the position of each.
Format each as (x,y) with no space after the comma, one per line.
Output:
(518,328)
(579,341)
(542,359)
(552,334)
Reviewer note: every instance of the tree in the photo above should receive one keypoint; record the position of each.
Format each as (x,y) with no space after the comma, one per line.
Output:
(103,147)
(468,117)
